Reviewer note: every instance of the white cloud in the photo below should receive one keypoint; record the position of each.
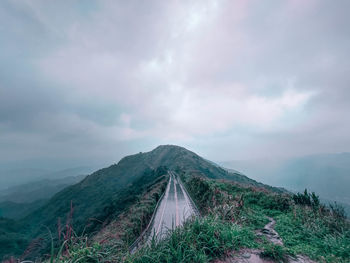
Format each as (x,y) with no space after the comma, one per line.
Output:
(183,71)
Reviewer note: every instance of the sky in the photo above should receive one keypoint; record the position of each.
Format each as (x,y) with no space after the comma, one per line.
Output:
(88,82)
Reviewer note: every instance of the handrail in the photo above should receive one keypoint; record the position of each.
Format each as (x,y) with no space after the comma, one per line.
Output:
(192,203)
(136,243)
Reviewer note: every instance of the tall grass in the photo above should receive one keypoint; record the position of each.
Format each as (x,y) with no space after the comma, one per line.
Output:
(320,236)
(199,240)
(111,244)
(232,214)
(305,225)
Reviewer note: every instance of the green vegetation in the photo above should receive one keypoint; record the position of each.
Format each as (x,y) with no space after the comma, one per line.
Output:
(326,174)
(305,225)
(13,210)
(307,199)
(110,208)
(200,240)
(11,242)
(86,207)
(103,195)
(111,244)
(275,252)
(231,215)
(318,234)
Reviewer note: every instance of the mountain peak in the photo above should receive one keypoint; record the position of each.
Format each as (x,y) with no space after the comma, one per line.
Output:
(169,147)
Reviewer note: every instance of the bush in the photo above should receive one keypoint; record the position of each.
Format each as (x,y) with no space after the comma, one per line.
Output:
(200,240)
(307,199)
(338,211)
(275,252)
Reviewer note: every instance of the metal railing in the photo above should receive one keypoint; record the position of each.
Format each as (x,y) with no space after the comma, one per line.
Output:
(145,233)
(192,203)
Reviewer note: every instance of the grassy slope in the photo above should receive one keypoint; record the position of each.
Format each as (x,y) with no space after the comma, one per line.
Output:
(111,244)
(96,201)
(108,193)
(186,162)
(91,195)
(232,214)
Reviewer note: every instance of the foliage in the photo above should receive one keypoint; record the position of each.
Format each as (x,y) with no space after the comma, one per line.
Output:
(307,199)
(95,209)
(120,200)
(10,239)
(337,211)
(107,193)
(200,240)
(275,252)
(320,236)
(113,242)
(306,226)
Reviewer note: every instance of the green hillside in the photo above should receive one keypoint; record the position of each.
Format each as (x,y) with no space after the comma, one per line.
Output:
(233,228)
(98,199)
(14,210)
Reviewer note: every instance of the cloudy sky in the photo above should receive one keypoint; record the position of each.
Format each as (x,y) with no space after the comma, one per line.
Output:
(87,82)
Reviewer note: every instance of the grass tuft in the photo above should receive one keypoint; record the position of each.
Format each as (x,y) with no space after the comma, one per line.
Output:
(199,240)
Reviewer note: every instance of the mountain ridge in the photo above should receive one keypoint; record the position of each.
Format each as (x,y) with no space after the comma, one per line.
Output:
(107,192)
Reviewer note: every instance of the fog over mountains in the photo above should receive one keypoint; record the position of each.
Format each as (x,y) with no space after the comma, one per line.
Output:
(326,174)
(10,177)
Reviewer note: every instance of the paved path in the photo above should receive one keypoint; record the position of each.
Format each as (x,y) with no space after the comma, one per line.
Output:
(173,210)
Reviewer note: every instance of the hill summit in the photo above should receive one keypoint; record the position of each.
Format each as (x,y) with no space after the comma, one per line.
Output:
(106,193)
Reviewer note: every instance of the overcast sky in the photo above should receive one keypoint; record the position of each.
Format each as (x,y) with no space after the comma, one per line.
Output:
(87,82)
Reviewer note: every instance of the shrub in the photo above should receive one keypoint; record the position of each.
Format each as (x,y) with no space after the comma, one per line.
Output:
(200,240)
(275,252)
(307,199)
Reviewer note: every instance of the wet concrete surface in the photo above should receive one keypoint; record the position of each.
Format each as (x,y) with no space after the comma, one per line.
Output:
(173,210)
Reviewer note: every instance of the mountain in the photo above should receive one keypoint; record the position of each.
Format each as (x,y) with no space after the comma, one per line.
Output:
(13,177)
(182,160)
(109,191)
(326,174)
(14,210)
(75,171)
(18,201)
(39,189)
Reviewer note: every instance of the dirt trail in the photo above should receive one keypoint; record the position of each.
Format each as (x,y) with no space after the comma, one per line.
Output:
(270,233)
(253,255)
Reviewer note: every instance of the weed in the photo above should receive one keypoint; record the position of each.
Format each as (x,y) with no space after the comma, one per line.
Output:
(275,252)
(199,240)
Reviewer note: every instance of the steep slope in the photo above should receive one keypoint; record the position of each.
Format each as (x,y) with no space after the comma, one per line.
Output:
(89,201)
(184,161)
(89,197)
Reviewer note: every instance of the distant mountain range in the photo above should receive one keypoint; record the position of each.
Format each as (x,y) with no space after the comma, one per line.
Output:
(39,189)
(20,200)
(326,174)
(20,176)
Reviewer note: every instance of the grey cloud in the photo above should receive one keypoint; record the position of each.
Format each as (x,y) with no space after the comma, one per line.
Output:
(98,80)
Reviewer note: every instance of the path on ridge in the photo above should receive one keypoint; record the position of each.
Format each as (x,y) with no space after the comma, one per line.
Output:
(174,209)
